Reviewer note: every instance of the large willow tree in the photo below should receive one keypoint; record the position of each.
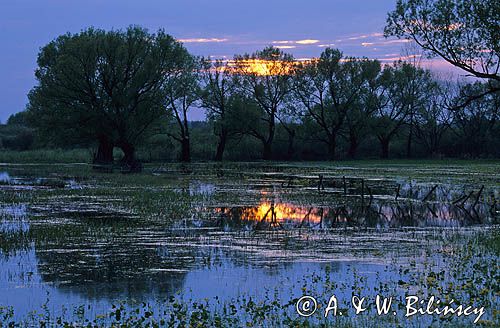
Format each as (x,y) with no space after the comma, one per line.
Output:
(105,87)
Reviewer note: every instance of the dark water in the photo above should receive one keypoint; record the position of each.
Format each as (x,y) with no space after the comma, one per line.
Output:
(64,253)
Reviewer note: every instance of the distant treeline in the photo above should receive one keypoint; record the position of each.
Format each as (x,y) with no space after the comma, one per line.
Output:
(132,90)
(470,133)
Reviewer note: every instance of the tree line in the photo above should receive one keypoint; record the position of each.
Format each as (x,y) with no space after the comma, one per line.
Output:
(123,88)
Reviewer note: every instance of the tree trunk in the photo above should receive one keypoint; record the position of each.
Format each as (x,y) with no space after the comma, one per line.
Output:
(384,144)
(129,163)
(353,146)
(268,153)
(290,150)
(268,143)
(221,146)
(409,142)
(104,151)
(332,145)
(185,150)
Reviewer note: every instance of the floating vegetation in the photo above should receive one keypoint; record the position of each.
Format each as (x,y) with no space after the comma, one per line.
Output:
(239,244)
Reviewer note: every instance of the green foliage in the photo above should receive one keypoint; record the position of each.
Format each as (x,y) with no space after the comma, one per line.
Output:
(46,156)
(106,86)
(16,137)
(265,77)
(333,91)
(133,90)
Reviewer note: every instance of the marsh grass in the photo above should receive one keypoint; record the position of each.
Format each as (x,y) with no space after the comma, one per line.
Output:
(464,256)
(452,262)
(48,156)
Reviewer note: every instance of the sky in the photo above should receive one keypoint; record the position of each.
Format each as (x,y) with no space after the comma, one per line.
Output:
(218,28)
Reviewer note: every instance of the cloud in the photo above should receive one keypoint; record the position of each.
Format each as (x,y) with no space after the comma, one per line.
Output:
(403,58)
(301,42)
(384,42)
(286,47)
(365,36)
(326,45)
(307,41)
(202,40)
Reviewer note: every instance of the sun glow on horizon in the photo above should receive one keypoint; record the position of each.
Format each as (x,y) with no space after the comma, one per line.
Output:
(263,67)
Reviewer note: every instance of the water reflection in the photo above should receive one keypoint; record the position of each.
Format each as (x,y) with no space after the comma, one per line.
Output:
(107,261)
(376,214)
(86,249)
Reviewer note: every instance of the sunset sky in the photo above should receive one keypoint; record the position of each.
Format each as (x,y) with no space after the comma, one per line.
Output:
(211,28)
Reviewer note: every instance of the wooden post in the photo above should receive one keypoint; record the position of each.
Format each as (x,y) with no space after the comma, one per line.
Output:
(397,192)
(429,193)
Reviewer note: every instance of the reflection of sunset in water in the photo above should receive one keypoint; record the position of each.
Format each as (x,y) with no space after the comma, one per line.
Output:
(280,213)
(375,215)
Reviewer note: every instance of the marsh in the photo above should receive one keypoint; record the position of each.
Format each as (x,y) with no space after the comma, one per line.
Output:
(79,245)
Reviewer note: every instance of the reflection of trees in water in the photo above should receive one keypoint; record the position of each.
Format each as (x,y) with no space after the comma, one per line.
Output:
(14,229)
(111,257)
(357,213)
(105,262)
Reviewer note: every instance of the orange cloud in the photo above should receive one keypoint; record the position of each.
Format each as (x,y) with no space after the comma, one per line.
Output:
(262,67)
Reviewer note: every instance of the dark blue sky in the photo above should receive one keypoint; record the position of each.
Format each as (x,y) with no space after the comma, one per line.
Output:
(216,28)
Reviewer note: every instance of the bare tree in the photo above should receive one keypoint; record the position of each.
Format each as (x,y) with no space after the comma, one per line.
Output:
(476,122)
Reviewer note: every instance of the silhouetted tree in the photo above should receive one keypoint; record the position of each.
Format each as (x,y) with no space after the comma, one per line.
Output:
(465,33)
(219,90)
(433,119)
(266,77)
(182,91)
(103,86)
(361,112)
(402,90)
(474,125)
(328,88)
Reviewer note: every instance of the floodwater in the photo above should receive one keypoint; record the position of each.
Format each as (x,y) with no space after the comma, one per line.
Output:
(64,244)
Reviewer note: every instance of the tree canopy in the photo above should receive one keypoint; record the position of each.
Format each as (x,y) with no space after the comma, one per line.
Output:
(266,77)
(134,90)
(105,86)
